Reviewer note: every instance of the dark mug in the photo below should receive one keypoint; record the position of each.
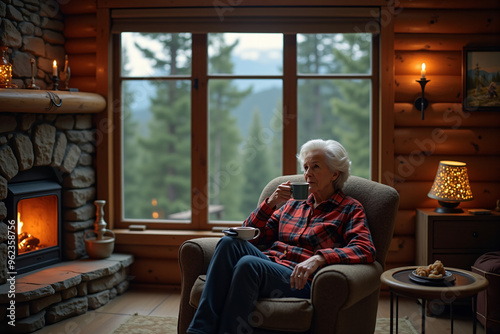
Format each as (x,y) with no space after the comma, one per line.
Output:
(300,190)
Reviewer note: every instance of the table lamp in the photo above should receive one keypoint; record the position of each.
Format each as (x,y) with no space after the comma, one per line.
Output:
(451,186)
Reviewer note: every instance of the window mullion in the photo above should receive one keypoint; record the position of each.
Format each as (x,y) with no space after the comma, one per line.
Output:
(289,104)
(199,135)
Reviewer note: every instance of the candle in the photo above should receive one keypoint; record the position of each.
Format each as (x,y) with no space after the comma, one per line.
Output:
(423,71)
(54,69)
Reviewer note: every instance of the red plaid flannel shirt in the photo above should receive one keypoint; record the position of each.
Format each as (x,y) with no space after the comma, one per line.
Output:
(336,229)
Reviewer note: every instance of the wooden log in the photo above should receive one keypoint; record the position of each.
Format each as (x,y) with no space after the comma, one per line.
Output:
(107,151)
(148,251)
(84,84)
(442,42)
(441,88)
(446,115)
(43,101)
(156,271)
(414,195)
(431,140)
(436,62)
(447,21)
(262,3)
(493,4)
(405,222)
(392,265)
(78,7)
(420,167)
(80,26)
(83,64)
(80,45)
(163,237)
(401,249)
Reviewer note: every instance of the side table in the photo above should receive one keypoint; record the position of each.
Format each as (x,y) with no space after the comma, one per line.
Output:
(467,284)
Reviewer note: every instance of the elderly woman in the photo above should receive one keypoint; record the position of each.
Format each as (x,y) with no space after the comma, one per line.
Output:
(299,238)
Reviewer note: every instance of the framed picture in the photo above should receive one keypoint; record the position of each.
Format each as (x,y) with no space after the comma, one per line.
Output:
(481,79)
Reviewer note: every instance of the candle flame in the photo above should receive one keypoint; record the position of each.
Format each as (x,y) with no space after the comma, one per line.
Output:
(54,63)
(423,66)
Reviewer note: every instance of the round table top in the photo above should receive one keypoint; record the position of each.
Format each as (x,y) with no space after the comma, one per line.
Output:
(466,284)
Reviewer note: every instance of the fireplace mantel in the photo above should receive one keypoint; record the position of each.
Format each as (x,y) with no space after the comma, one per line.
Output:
(50,101)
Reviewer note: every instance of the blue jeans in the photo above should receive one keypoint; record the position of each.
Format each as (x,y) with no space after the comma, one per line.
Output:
(238,275)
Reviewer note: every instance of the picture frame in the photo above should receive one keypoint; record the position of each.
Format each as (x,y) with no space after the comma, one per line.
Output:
(481,78)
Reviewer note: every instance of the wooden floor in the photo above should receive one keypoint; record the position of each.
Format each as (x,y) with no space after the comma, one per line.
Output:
(156,301)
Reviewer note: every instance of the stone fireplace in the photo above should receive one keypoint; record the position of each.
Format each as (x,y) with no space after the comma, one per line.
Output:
(65,144)
(34,208)
(50,155)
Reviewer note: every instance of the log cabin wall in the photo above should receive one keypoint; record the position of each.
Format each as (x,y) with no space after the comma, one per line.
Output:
(434,33)
(80,32)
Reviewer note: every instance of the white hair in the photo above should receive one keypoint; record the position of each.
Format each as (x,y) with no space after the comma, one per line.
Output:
(335,156)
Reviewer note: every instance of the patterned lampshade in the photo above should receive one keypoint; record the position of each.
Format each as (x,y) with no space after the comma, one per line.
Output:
(451,186)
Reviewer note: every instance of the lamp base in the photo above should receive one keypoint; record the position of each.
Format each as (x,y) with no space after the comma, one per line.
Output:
(448,207)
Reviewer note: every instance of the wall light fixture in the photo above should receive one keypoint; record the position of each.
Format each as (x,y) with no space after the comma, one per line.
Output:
(421,102)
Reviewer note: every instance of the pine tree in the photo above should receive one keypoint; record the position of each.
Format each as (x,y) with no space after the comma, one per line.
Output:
(132,155)
(166,165)
(314,57)
(257,164)
(336,109)
(225,176)
(352,107)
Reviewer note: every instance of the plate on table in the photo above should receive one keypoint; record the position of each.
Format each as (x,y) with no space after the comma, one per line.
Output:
(446,279)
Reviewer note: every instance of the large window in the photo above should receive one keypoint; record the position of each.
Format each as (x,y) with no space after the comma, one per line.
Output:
(207,119)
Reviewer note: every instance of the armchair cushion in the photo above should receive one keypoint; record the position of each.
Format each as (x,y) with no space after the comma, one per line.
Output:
(355,281)
(279,308)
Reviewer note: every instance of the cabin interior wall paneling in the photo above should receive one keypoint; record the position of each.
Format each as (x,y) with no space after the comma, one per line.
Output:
(81,47)
(435,33)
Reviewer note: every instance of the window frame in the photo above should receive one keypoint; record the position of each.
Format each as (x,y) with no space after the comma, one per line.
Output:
(199,125)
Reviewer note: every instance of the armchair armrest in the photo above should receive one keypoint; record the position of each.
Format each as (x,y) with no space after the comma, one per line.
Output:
(194,258)
(339,286)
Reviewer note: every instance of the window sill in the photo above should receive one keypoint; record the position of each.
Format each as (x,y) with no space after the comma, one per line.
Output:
(160,237)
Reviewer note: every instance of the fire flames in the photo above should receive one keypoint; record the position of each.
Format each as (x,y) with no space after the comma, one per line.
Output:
(25,241)
(37,223)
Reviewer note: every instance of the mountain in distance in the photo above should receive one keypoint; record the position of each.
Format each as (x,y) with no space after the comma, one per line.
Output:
(265,97)
(265,102)
(483,74)
(264,65)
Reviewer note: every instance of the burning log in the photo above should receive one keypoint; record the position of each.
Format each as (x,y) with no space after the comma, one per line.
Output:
(27,242)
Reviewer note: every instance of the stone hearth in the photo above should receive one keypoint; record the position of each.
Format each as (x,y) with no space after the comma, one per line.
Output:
(61,291)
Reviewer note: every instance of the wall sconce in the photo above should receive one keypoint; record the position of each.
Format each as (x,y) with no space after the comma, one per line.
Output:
(451,186)
(421,103)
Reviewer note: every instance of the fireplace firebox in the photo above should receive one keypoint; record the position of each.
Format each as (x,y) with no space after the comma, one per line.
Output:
(35,206)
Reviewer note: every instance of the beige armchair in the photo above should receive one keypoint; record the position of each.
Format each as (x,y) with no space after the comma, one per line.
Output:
(344,297)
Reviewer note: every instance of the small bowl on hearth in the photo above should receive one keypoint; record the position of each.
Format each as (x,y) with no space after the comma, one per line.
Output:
(100,248)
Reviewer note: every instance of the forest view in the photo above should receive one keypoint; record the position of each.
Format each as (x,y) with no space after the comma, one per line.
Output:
(245,116)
